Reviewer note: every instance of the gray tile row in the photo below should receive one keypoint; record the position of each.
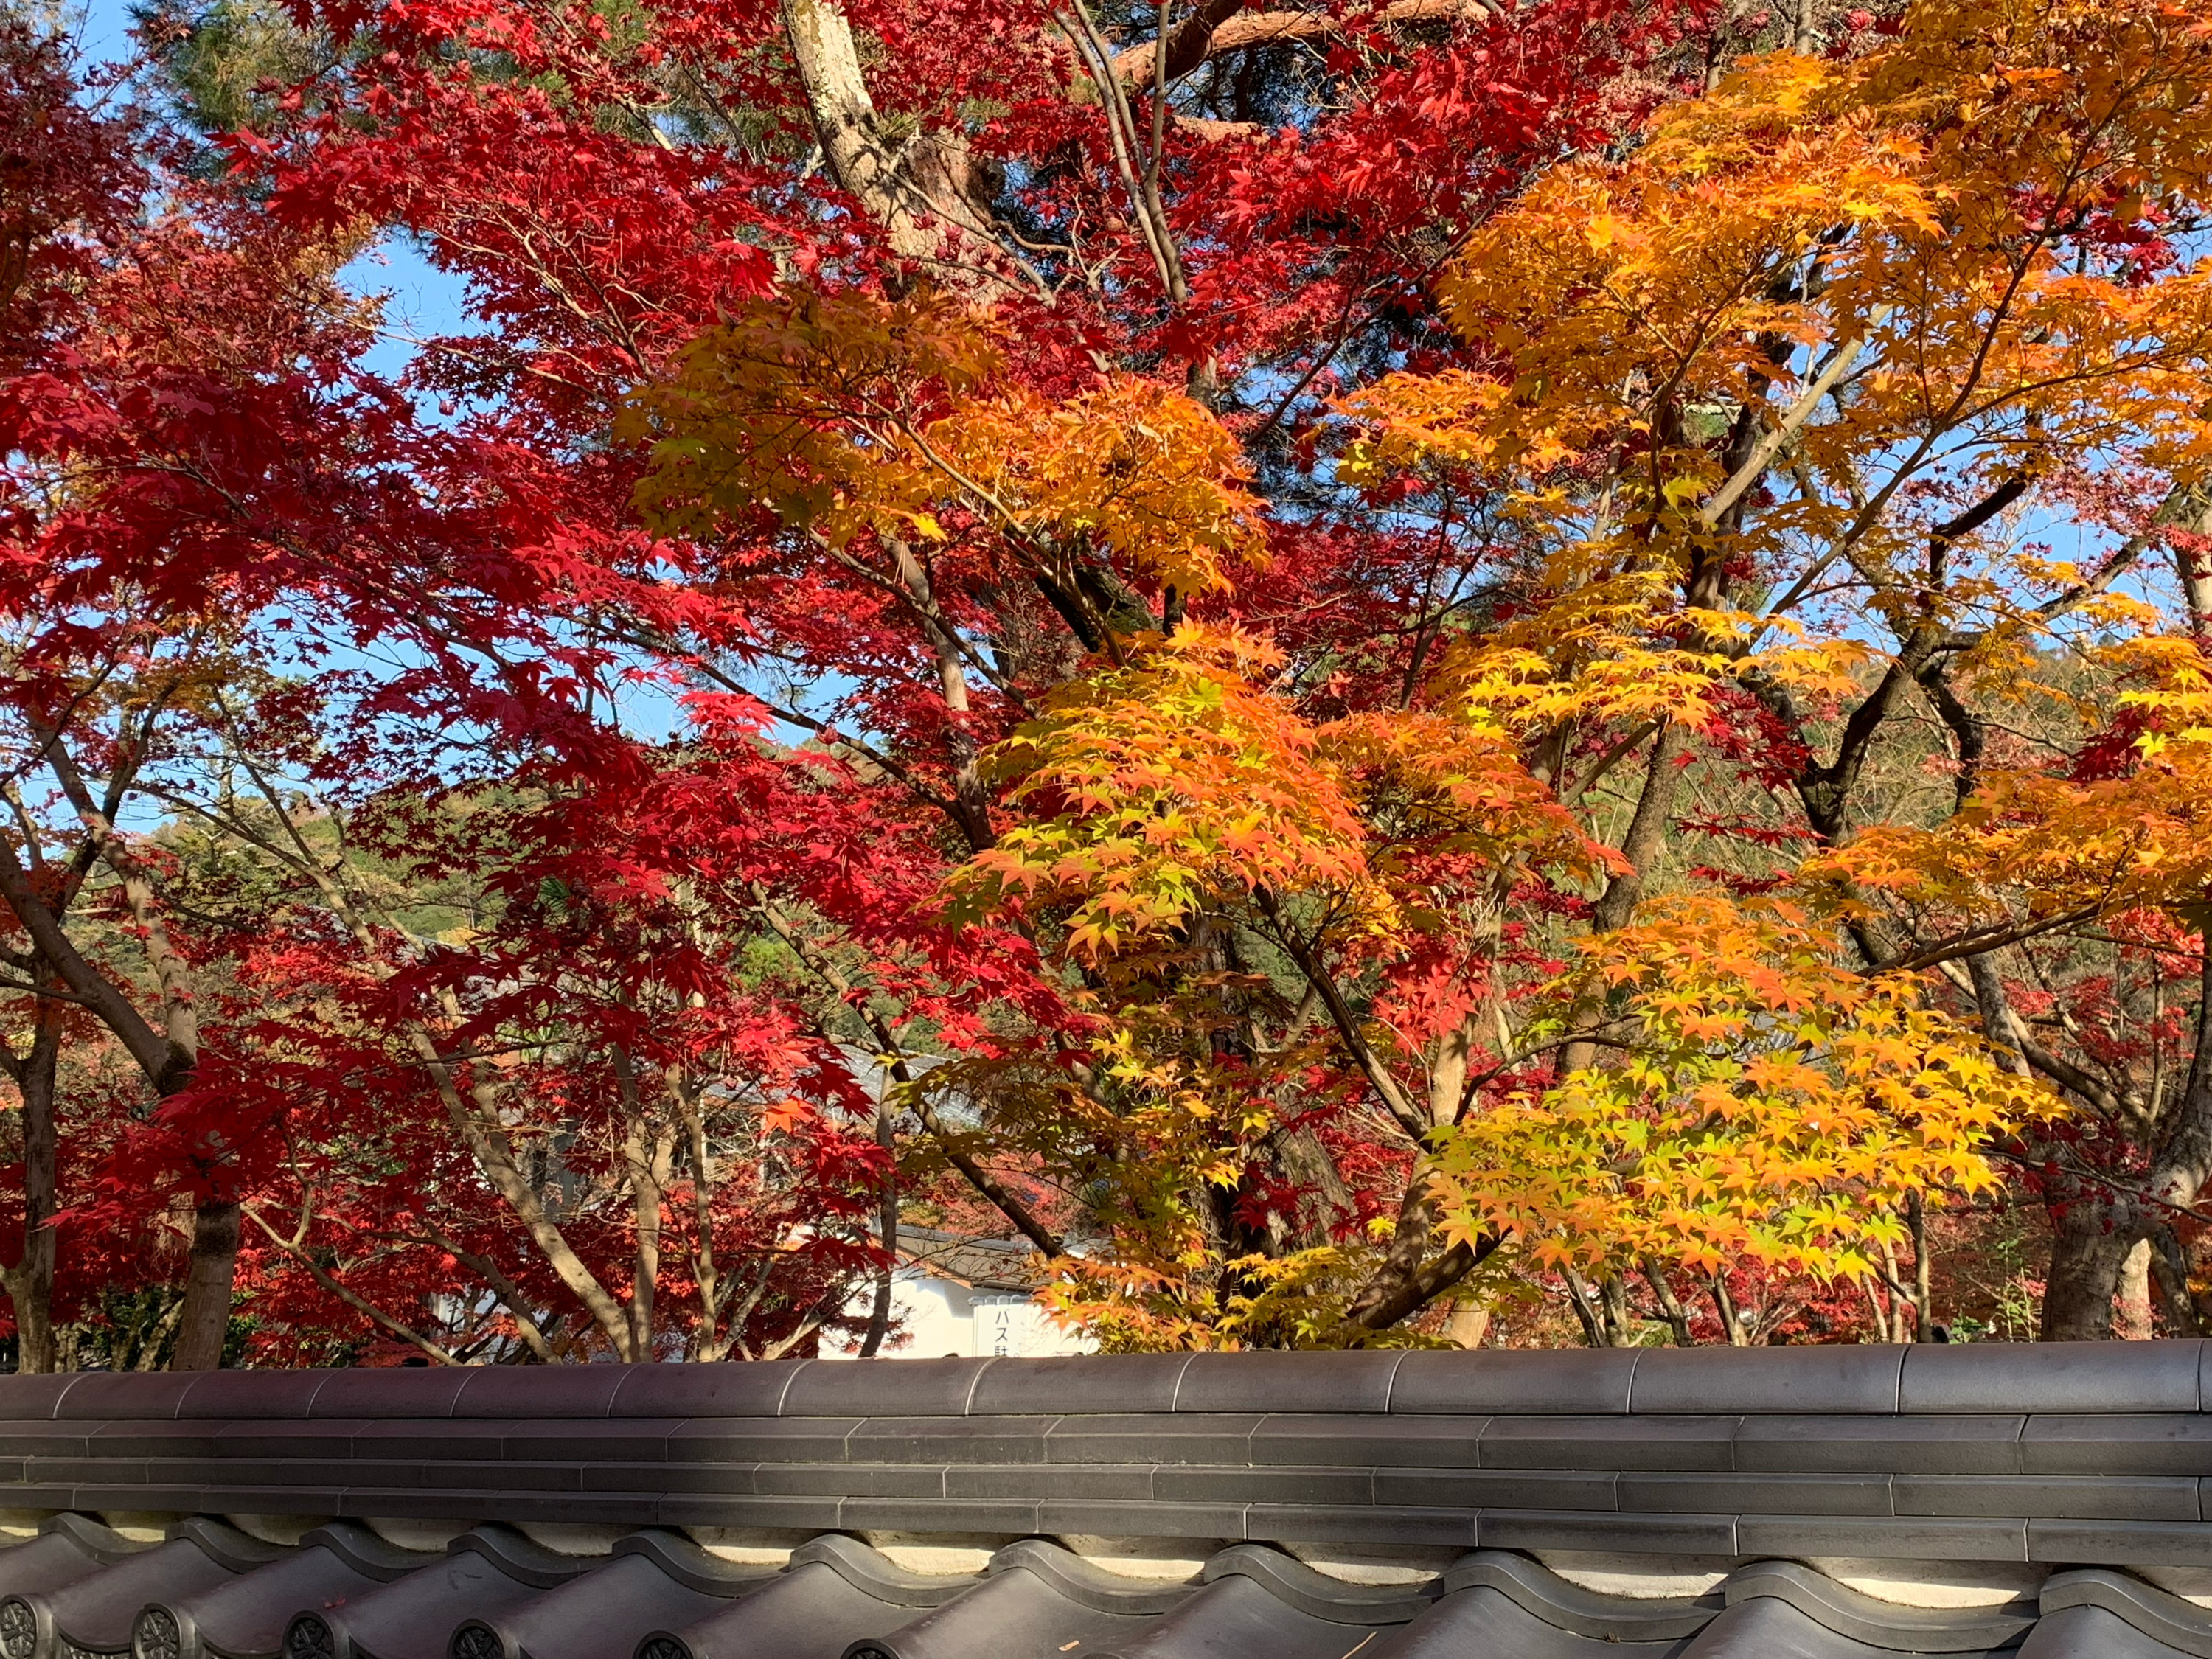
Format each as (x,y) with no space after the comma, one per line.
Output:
(2085,1541)
(1987,1378)
(2119,1498)
(210,1592)
(2171,1444)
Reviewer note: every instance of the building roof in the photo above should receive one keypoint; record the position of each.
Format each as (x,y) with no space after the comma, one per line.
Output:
(982,1264)
(1764,1503)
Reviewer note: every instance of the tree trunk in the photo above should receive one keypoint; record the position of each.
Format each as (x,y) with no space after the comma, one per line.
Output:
(1670,1305)
(1403,1283)
(2094,1252)
(1581,1298)
(205,1322)
(2185,1315)
(1924,1314)
(1732,1329)
(2133,1323)
(1606,1319)
(2190,508)
(1640,847)
(166,1057)
(2093,1245)
(887,1221)
(1619,1318)
(2087,1252)
(30,1282)
(1467,1325)
(927,190)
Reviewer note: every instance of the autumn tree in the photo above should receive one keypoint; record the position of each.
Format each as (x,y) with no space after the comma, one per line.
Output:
(945,616)
(488,1060)
(73,189)
(1196,830)
(220,528)
(1822,361)
(1365,648)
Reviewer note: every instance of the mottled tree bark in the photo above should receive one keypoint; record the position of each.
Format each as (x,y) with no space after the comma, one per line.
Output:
(204,1324)
(30,1282)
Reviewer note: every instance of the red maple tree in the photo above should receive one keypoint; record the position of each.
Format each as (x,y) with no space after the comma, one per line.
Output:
(527,893)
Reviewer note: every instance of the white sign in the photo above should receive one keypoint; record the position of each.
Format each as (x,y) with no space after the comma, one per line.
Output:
(1013,1326)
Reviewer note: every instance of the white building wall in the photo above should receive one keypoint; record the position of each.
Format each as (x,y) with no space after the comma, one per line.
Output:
(932,1318)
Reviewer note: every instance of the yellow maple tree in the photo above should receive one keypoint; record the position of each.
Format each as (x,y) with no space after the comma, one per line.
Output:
(1825,330)
(1768,1105)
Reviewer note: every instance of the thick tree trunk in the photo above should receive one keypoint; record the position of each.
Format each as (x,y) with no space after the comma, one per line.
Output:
(1601,1305)
(2185,1312)
(927,191)
(2094,1256)
(1394,1289)
(1731,1327)
(1619,1318)
(2093,1242)
(2087,1252)
(205,1320)
(1670,1305)
(1465,1326)
(2190,508)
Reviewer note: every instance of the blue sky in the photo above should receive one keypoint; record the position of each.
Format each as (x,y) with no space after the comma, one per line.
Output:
(420,299)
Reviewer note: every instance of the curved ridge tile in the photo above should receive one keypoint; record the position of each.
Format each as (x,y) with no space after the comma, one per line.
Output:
(1879,1623)
(1235,1615)
(1768,1627)
(2089,1632)
(1090,1384)
(1277,1380)
(1543,1382)
(813,1609)
(1014,1613)
(520,1558)
(365,1551)
(600,1614)
(2052,1377)
(919,1387)
(870,1571)
(222,1543)
(691,1566)
(1852,1377)
(1485,1620)
(34,1398)
(96,1538)
(1086,1585)
(47,1562)
(245,1617)
(2166,1618)
(1537,1589)
(95,1613)
(411,1618)
(1316,1593)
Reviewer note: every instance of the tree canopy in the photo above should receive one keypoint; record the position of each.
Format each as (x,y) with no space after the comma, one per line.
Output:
(1365,670)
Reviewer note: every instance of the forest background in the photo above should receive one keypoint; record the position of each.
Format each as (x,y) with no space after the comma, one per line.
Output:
(1405,673)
